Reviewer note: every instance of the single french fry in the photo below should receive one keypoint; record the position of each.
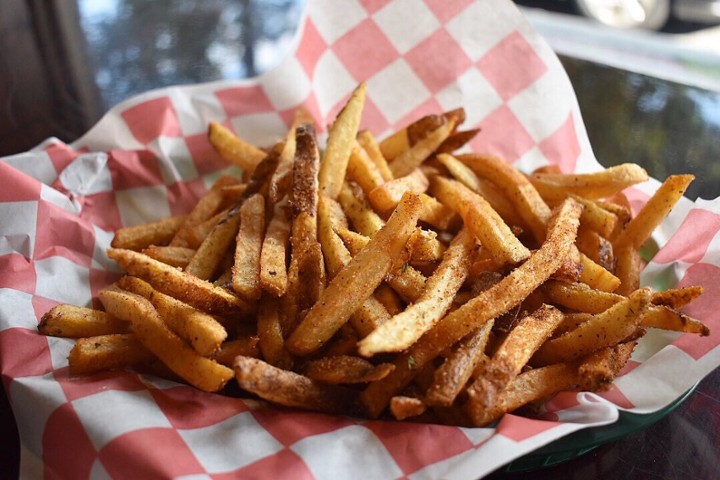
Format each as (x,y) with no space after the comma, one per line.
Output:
(530,386)
(387,195)
(198,233)
(198,329)
(409,160)
(628,265)
(70,321)
(666,318)
(270,335)
(579,296)
(173,256)
(596,247)
(273,266)
(436,214)
(597,276)
(530,206)
(356,282)
(248,245)
(455,372)
(364,219)
(306,274)
(97,353)
(604,329)
(341,140)
(402,407)
(602,184)
(482,221)
(199,293)
(490,303)
(677,297)
(201,372)
(206,207)
(345,369)
(405,328)
(639,229)
(233,149)
(290,389)
(362,170)
(514,352)
(246,346)
(597,218)
(142,236)
(371,146)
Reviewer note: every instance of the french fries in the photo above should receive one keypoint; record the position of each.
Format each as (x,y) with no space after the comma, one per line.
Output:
(385,278)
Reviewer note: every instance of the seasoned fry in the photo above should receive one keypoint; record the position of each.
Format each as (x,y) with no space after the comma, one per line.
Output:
(97,353)
(201,372)
(270,335)
(248,245)
(341,140)
(233,149)
(181,285)
(245,346)
(290,389)
(356,282)
(596,185)
(405,328)
(273,267)
(345,369)
(362,170)
(371,146)
(498,299)
(70,321)
(173,256)
(386,196)
(199,329)
(142,236)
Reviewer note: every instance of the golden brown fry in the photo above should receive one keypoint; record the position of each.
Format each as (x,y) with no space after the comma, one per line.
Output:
(142,236)
(289,389)
(579,296)
(356,282)
(409,160)
(386,196)
(362,170)
(203,332)
(248,245)
(270,334)
(405,328)
(273,266)
(677,297)
(173,256)
(597,371)
(199,293)
(363,218)
(514,352)
(612,326)
(666,318)
(490,303)
(345,369)
(233,149)
(107,352)
(482,221)
(452,376)
(371,146)
(201,372)
(246,346)
(639,229)
(70,321)
(628,265)
(602,184)
(341,140)
(210,254)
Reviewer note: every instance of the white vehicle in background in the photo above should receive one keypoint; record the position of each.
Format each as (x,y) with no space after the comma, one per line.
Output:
(648,14)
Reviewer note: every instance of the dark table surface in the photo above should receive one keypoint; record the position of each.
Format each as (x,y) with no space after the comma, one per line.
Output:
(65,68)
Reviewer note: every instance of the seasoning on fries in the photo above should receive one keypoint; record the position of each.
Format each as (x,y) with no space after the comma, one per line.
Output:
(394,278)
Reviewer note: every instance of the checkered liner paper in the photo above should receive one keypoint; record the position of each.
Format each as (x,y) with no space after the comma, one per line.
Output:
(149,157)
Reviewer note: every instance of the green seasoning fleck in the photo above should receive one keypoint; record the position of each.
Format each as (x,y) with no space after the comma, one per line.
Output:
(405,266)
(411,363)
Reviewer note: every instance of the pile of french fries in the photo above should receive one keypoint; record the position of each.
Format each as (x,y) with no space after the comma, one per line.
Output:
(394,278)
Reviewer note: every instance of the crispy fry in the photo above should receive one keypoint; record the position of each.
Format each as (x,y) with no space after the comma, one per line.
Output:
(405,328)
(201,372)
(233,149)
(273,267)
(292,390)
(70,321)
(248,245)
(602,184)
(270,334)
(341,140)
(409,160)
(386,196)
(199,329)
(173,256)
(496,300)
(181,285)
(362,170)
(345,369)
(142,236)
(356,282)
(371,146)
(246,346)
(107,352)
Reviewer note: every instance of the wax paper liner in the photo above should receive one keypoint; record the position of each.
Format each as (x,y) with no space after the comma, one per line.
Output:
(149,157)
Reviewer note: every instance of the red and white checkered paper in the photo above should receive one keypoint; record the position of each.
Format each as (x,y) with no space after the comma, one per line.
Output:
(149,158)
